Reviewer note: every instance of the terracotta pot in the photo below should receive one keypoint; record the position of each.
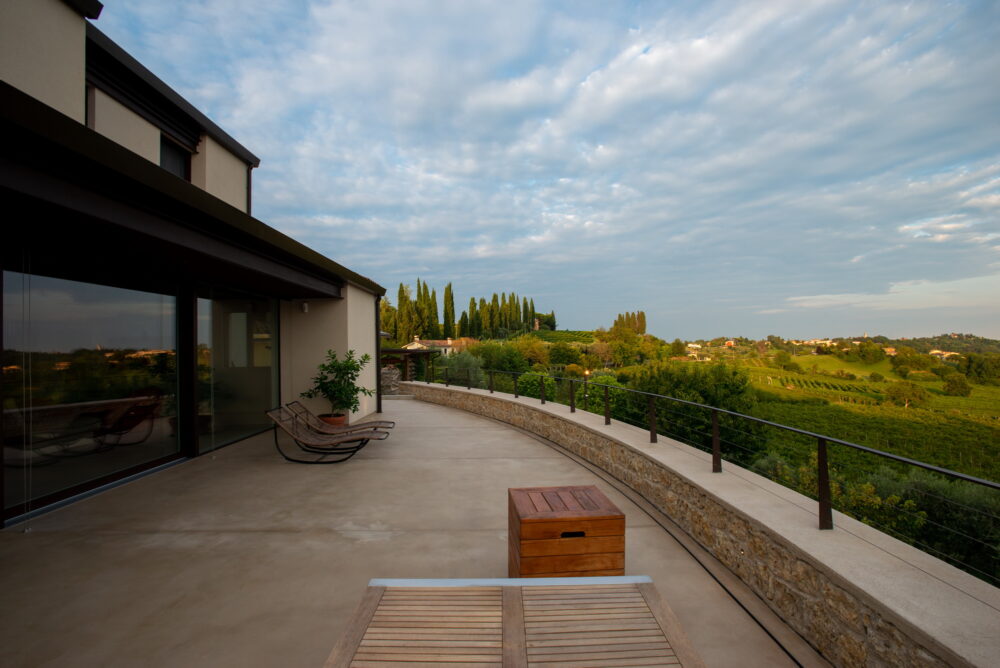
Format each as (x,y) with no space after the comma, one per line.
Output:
(335,420)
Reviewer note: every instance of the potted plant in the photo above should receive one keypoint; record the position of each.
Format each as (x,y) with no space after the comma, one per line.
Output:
(336,382)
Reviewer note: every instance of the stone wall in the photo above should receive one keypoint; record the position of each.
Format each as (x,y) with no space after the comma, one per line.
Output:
(843,622)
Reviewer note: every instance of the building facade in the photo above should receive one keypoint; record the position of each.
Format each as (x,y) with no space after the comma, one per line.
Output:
(147,316)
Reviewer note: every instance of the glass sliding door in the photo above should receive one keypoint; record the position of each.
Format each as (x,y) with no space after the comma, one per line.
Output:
(88,385)
(237,366)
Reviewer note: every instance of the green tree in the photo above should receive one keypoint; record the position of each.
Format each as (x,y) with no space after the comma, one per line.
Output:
(406,325)
(906,394)
(499,357)
(495,323)
(433,324)
(462,365)
(485,319)
(677,348)
(532,349)
(956,385)
(475,320)
(981,368)
(449,313)
(870,353)
(387,317)
(563,353)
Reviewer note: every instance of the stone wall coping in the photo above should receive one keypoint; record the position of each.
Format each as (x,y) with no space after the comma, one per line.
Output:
(953,610)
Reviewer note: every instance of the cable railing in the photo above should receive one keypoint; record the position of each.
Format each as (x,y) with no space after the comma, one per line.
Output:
(951,515)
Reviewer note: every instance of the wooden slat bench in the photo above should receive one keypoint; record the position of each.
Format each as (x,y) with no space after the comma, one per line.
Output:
(597,621)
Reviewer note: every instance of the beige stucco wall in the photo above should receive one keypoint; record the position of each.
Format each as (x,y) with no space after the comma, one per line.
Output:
(337,324)
(216,170)
(361,338)
(123,126)
(42,47)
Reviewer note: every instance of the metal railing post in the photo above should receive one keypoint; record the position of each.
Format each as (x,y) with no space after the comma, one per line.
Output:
(651,415)
(468,379)
(716,444)
(447,377)
(607,406)
(491,381)
(515,385)
(541,385)
(572,396)
(823,483)
(427,371)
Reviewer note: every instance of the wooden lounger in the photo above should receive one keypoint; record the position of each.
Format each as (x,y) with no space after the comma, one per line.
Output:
(342,446)
(318,425)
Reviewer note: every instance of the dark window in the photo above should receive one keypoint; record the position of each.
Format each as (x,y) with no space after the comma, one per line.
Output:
(175,158)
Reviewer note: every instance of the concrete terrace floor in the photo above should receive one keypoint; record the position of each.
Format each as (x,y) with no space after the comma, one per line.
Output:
(243,559)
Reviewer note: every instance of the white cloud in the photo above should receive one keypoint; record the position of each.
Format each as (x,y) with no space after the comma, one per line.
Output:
(759,150)
(977,292)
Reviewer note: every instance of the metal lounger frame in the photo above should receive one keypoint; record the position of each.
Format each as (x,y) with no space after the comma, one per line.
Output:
(343,446)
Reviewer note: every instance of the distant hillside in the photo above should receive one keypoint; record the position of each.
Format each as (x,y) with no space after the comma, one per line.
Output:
(956,343)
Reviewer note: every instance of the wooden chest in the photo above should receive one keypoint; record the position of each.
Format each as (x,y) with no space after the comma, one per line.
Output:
(564,532)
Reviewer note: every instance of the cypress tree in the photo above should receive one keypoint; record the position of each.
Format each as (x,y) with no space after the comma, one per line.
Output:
(433,325)
(495,314)
(449,313)
(404,315)
(475,320)
(485,319)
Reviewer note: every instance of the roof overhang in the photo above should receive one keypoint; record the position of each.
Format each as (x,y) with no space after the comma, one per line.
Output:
(49,159)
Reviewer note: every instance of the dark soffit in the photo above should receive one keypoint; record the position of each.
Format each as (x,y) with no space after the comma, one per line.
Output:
(89,9)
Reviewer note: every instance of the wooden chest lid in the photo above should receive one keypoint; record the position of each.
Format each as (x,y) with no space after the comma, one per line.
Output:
(558,503)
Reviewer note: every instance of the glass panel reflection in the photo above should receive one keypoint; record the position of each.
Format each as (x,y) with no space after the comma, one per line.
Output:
(237,371)
(89,383)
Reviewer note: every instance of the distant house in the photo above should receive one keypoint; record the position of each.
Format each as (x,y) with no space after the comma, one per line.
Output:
(889,351)
(694,346)
(447,346)
(730,344)
(943,354)
(826,343)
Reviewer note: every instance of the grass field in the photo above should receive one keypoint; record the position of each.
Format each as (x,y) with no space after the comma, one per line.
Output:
(831,363)
(564,336)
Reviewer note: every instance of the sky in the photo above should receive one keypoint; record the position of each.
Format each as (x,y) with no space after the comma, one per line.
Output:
(731,168)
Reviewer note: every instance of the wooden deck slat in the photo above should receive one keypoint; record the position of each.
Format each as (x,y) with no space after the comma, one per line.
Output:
(574,626)
(423,664)
(514,644)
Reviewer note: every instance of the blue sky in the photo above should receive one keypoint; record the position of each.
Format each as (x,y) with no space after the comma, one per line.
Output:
(739,168)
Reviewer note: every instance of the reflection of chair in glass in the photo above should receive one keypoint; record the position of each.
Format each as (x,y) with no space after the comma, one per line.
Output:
(344,446)
(132,427)
(318,425)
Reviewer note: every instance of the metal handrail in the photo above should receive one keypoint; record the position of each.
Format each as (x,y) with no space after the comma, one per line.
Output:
(822,440)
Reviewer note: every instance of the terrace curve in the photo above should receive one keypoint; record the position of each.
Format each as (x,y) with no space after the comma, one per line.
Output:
(856,594)
(240,558)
